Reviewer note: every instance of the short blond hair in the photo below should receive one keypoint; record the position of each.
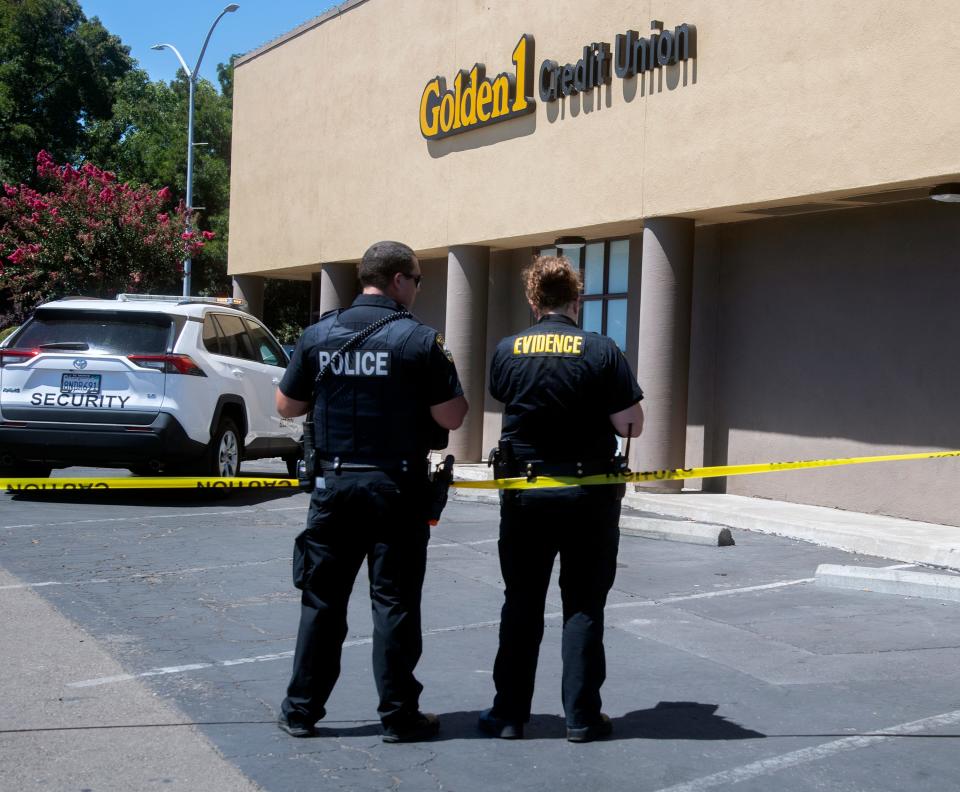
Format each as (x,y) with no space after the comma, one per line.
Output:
(551,282)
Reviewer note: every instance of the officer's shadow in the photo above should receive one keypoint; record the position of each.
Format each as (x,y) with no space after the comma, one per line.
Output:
(669,720)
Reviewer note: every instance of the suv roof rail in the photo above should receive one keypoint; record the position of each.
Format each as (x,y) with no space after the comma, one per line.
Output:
(229,302)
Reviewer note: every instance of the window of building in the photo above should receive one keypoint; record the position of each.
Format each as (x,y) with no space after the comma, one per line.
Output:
(604,266)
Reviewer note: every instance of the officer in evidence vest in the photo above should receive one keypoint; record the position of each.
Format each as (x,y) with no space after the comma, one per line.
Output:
(384,392)
(566,394)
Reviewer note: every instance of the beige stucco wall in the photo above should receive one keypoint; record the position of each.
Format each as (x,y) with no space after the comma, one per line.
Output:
(784,100)
(829,336)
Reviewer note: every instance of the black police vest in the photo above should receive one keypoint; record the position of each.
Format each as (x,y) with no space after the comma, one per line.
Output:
(368,406)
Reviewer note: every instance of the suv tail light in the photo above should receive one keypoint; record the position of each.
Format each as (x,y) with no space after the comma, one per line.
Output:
(169,364)
(8,356)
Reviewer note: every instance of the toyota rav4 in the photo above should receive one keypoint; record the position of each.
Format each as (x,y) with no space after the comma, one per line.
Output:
(153,384)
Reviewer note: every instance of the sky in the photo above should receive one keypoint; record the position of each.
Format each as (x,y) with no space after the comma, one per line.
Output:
(184,23)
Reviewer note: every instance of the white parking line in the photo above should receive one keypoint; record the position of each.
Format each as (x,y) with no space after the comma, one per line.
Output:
(258,659)
(142,575)
(136,517)
(464,544)
(435,631)
(806,755)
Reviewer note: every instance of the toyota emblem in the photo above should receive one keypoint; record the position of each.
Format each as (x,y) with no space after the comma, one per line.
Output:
(79,363)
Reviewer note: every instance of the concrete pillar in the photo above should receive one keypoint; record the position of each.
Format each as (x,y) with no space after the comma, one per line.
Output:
(666,294)
(250,288)
(468,275)
(314,297)
(338,286)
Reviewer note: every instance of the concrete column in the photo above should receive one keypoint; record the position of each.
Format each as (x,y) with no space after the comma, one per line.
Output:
(663,364)
(314,297)
(338,286)
(468,275)
(250,288)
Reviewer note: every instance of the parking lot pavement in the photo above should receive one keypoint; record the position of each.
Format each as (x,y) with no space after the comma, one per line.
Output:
(727,667)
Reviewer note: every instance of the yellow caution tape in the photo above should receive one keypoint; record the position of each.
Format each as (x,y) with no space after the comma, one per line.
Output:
(540,482)
(520,483)
(147,482)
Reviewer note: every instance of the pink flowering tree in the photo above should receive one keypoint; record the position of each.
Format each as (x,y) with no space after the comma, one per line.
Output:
(88,235)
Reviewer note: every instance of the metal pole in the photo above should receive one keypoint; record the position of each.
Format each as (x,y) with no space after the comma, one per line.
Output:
(192,80)
(188,262)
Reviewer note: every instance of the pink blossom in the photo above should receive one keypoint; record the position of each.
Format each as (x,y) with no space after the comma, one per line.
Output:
(163,194)
(208,235)
(187,235)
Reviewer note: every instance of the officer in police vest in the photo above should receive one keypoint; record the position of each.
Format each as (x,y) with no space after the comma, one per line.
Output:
(566,394)
(380,405)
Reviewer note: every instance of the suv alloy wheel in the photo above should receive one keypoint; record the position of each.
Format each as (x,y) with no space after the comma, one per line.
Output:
(225,451)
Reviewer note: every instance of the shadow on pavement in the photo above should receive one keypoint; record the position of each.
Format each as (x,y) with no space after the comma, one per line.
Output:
(669,720)
(680,720)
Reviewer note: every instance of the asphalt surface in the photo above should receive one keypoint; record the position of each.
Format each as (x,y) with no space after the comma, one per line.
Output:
(147,641)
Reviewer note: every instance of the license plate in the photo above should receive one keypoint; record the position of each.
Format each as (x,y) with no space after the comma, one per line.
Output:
(80,383)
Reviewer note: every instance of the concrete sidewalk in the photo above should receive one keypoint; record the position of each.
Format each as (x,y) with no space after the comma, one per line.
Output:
(871,534)
(53,737)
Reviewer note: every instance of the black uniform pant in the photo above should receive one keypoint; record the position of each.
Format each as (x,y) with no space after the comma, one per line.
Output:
(355,516)
(581,524)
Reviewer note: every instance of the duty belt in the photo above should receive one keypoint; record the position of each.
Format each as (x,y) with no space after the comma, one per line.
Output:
(531,468)
(338,465)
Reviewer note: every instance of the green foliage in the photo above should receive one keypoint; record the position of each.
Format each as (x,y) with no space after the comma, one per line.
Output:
(88,235)
(58,74)
(69,87)
(8,332)
(145,141)
(286,308)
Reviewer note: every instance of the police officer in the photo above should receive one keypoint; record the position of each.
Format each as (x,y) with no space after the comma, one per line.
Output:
(566,393)
(378,409)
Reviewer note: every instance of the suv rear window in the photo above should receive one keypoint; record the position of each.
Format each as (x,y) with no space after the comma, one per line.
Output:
(109,332)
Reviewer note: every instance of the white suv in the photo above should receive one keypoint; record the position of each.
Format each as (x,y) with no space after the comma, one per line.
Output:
(153,384)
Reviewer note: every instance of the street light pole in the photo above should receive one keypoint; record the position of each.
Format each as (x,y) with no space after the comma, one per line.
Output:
(192,76)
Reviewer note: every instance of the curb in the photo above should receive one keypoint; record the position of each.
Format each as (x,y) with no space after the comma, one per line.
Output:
(876,535)
(904,583)
(677,531)
(475,495)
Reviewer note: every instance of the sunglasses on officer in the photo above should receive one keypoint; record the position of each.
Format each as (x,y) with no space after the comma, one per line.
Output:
(415,278)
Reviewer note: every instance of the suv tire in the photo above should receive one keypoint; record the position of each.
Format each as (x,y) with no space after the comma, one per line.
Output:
(293,463)
(224,452)
(25,470)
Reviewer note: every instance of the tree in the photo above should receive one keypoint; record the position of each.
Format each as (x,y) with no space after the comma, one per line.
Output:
(145,141)
(88,234)
(58,74)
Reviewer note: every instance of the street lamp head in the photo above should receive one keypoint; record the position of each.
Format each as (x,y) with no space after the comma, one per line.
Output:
(231,8)
(159,46)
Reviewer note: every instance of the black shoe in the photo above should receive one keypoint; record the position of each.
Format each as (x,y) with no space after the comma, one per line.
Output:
(296,728)
(596,731)
(421,726)
(498,727)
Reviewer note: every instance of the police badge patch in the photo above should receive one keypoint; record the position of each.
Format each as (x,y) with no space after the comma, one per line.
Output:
(441,342)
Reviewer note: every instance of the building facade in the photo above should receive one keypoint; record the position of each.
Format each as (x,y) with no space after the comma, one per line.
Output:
(750,179)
